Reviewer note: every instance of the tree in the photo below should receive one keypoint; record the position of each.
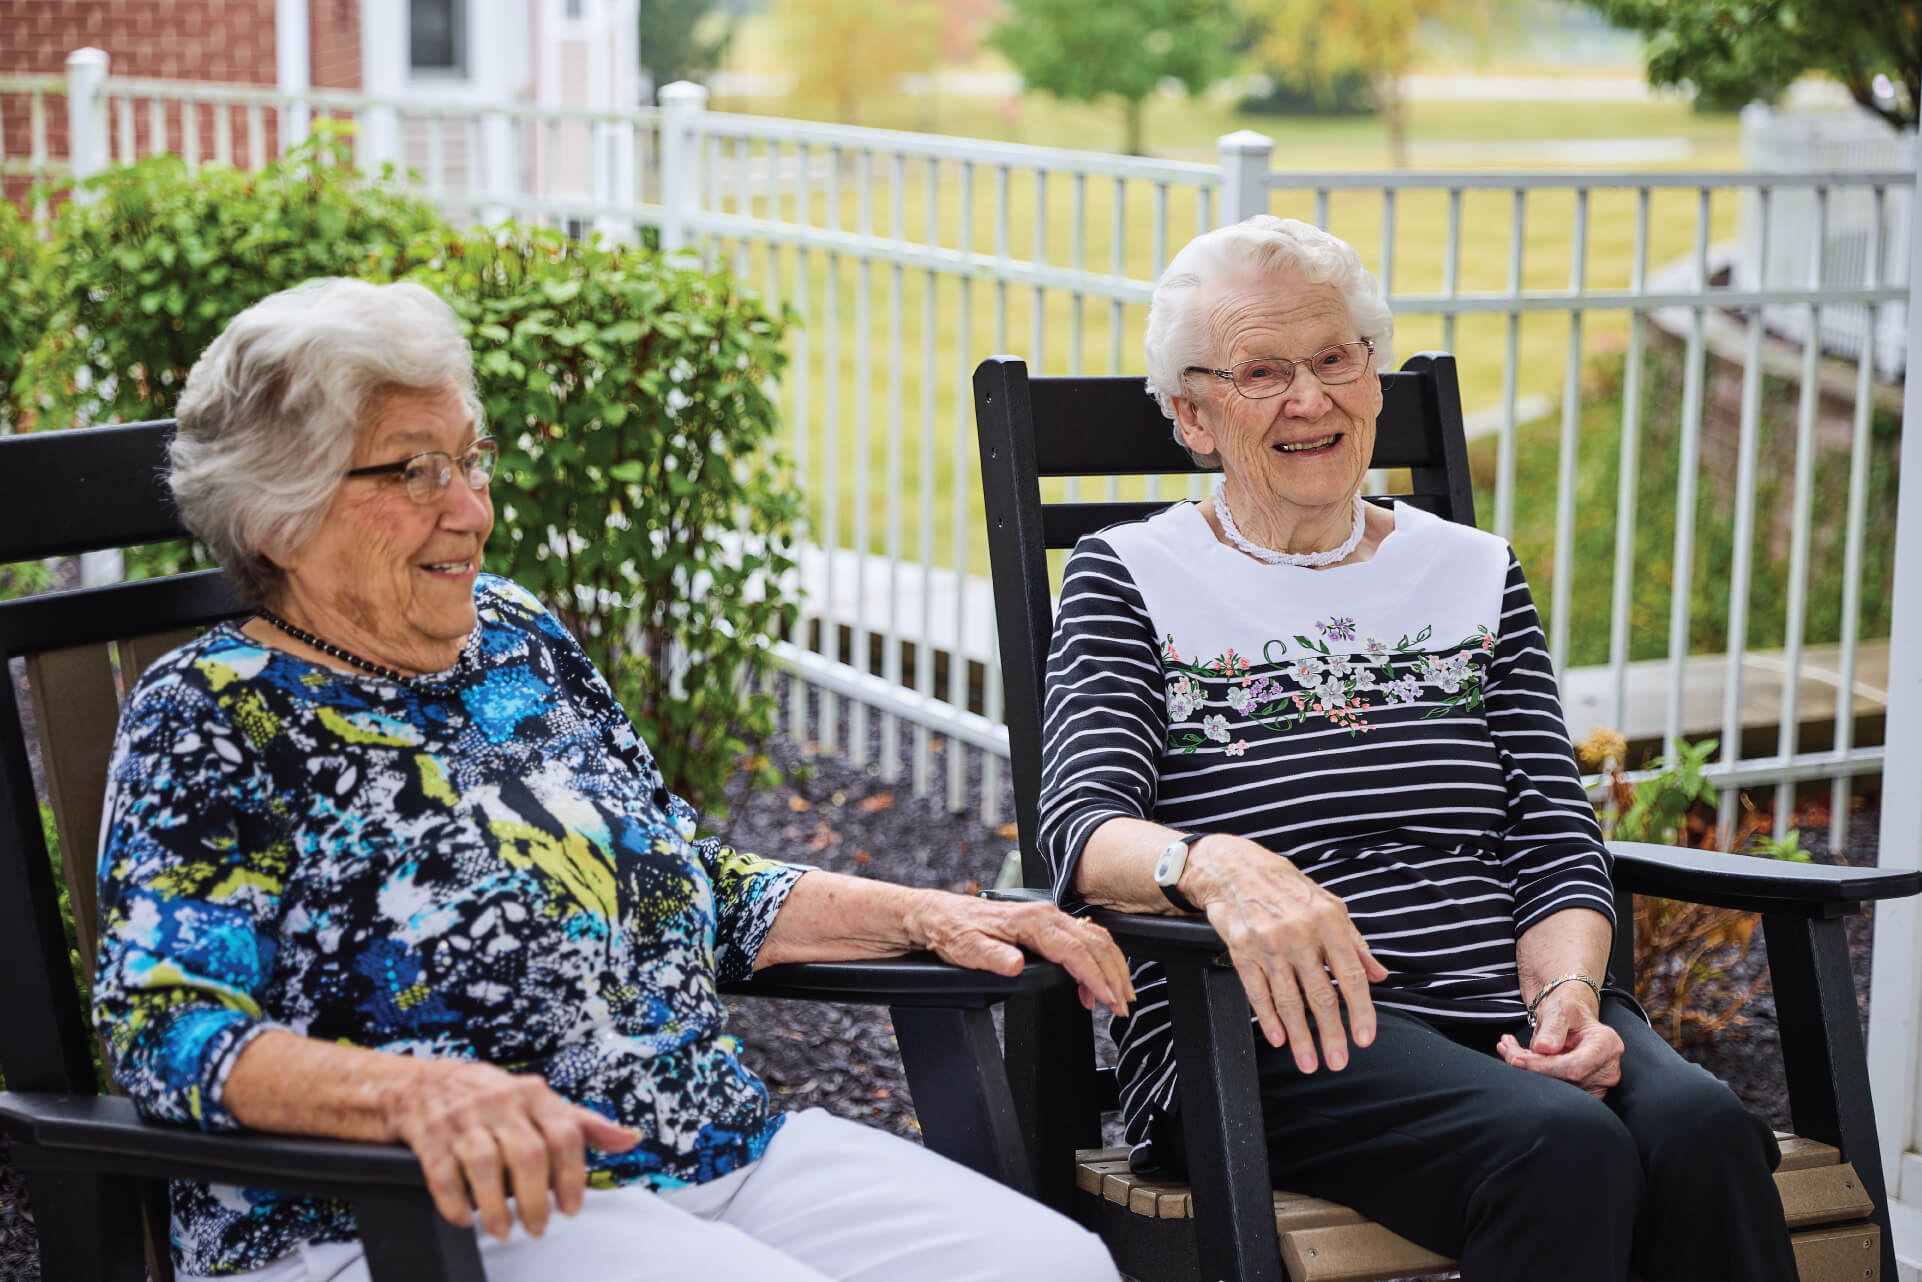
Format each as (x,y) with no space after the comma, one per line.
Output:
(1313,43)
(1734,51)
(1087,50)
(673,46)
(849,51)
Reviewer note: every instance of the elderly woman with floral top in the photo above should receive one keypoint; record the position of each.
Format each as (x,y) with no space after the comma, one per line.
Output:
(387,861)
(1332,727)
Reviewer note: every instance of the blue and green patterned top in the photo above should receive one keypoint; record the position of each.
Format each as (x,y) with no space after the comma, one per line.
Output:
(480,864)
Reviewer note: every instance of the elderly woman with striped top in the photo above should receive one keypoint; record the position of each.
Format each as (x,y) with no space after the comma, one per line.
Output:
(1331,726)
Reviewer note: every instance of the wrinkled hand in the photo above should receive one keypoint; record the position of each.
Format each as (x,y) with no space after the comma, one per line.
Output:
(1571,1042)
(1286,937)
(985,935)
(482,1133)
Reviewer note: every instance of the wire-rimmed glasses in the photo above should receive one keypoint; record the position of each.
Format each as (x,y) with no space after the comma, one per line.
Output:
(427,475)
(1266,376)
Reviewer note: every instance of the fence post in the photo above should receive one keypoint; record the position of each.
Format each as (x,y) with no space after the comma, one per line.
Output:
(292,72)
(681,106)
(1895,1055)
(86,116)
(1245,156)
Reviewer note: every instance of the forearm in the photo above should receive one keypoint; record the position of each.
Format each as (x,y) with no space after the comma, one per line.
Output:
(298,1085)
(1117,866)
(1574,939)
(831,917)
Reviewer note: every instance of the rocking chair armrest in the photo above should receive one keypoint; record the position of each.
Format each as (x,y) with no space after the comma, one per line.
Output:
(1752,883)
(1169,939)
(106,1134)
(1175,939)
(919,979)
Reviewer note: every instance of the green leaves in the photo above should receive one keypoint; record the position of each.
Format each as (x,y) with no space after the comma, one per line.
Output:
(1735,51)
(138,281)
(648,507)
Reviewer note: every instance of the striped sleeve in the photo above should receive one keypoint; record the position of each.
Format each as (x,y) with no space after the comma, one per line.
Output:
(1552,846)
(1104,713)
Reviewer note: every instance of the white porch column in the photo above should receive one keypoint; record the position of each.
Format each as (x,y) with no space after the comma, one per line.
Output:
(383,77)
(293,69)
(1895,1055)
(86,115)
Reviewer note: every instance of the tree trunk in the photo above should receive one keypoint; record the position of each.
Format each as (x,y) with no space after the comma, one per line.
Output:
(1394,115)
(1131,108)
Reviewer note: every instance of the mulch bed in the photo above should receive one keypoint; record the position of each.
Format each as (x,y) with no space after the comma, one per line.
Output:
(843,1058)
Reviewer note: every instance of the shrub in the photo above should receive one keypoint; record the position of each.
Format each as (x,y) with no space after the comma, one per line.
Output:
(22,303)
(145,275)
(639,493)
(1683,952)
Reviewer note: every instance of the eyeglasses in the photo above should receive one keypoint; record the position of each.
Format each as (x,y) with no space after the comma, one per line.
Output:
(1267,376)
(428,475)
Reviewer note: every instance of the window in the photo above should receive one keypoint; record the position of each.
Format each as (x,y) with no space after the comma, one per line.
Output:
(574,8)
(437,36)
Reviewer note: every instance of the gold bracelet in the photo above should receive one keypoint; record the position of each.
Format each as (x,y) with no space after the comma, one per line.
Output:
(1573,976)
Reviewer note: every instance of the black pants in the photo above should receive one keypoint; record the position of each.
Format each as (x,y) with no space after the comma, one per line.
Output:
(1521,1177)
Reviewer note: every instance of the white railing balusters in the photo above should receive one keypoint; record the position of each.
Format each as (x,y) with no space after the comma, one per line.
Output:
(1741,568)
(1859,446)
(718,188)
(1562,594)
(1802,516)
(1688,462)
(960,489)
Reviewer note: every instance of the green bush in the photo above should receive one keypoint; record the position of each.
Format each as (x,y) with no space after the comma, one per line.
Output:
(640,495)
(146,273)
(22,302)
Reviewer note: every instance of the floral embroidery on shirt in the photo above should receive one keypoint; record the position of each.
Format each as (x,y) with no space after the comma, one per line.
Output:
(1317,681)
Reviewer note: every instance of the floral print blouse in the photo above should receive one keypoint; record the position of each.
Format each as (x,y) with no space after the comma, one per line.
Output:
(479,864)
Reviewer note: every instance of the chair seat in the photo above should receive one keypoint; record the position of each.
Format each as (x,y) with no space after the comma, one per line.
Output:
(1323,1241)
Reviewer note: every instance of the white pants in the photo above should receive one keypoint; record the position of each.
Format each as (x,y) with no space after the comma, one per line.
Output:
(829,1201)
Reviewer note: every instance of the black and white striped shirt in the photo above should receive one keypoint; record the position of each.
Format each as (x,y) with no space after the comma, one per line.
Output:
(1392,726)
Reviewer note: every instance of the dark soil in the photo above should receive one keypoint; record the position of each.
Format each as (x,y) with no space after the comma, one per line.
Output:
(843,1058)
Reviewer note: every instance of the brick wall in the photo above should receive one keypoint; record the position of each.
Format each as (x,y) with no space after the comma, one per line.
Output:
(335,36)
(230,41)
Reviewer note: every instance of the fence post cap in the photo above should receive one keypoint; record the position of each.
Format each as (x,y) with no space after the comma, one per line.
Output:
(1245,140)
(88,57)
(683,91)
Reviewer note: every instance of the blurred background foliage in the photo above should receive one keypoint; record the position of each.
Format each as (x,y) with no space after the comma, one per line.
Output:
(640,493)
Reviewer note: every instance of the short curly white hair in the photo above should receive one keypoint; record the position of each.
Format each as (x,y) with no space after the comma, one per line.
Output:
(1248,250)
(270,413)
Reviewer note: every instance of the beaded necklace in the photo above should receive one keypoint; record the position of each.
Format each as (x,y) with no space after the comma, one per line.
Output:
(332,651)
(1310,560)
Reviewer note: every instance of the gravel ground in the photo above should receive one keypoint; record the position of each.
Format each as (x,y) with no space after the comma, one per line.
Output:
(846,818)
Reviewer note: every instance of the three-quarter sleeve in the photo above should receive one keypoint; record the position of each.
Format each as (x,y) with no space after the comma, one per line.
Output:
(186,888)
(1552,846)
(1105,713)
(748,892)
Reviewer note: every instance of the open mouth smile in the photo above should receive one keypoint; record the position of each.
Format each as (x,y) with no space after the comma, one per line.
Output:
(448,567)
(1310,447)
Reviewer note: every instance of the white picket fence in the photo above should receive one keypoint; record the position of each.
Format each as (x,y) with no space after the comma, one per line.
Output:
(910,257)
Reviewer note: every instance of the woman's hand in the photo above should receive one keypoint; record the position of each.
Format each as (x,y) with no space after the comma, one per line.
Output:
(982,934)
(482,1133)
(1570,1042)
(1286,936)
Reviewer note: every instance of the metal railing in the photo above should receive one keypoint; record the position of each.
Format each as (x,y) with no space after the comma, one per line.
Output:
(910,257)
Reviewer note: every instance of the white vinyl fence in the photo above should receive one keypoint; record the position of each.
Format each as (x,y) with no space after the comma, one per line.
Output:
(908,258)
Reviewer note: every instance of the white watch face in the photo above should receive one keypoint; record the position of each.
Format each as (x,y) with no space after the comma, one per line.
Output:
(1169,867)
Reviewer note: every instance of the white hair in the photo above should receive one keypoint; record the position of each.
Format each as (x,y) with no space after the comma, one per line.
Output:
(1249,250)
(269,416)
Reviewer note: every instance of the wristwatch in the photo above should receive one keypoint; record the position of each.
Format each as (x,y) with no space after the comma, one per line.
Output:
(1169,867)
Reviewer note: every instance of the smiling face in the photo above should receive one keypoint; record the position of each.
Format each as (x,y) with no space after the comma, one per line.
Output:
(1294,458)
(386,578)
